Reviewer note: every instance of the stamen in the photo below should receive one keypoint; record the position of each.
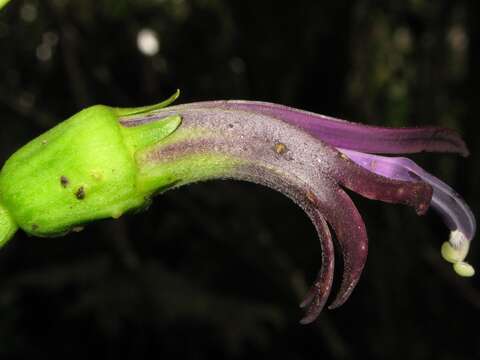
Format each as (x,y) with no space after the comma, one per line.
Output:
(455,251)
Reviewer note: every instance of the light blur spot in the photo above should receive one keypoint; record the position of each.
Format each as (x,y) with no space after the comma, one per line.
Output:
(28,12)
(457,38)
(403,39)
(44,52)
(50,38)
(237,65)
(180,9)
(148,42)
(458,41)
(26,101)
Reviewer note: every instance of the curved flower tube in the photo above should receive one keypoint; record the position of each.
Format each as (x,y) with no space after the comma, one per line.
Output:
(106,161)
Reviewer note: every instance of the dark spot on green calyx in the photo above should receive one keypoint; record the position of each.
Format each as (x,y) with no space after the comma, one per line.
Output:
(80,193)
(34,227)
(64,181)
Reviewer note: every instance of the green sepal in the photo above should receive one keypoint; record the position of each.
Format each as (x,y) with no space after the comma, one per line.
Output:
(148,108)
(142,136)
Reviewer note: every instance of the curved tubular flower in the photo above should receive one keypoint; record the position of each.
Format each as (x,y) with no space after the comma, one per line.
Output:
(103,162)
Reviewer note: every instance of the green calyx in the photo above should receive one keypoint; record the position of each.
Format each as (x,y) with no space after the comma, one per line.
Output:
(83,169)
(140,137)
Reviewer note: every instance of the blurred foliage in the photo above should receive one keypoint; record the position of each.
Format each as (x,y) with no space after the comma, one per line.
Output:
(217,269)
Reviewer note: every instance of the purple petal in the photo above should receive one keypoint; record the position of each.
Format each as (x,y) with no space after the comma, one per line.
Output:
(354,136)
(318,294)
(312,201)
(351,234)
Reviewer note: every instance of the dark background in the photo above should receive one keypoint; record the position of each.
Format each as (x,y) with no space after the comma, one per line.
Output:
(216,270)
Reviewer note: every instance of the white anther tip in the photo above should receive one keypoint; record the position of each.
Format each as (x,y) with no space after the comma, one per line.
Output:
(457,239)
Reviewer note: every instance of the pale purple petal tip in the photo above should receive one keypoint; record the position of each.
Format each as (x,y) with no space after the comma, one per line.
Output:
(453,209)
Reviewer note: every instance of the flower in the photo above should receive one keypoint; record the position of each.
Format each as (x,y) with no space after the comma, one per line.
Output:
(105,161)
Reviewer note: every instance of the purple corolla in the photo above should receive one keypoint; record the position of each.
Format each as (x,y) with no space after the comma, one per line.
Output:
(310,158)
(103,162)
